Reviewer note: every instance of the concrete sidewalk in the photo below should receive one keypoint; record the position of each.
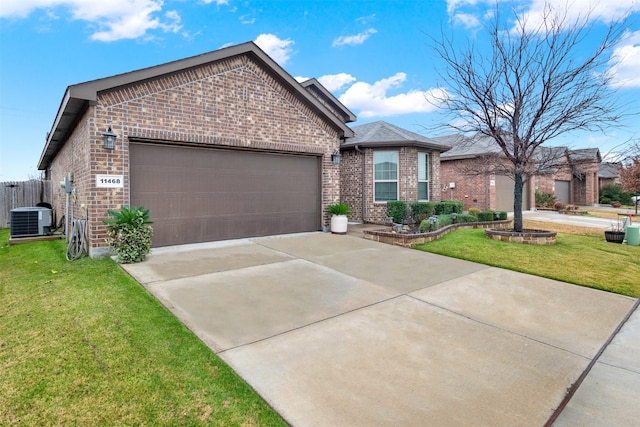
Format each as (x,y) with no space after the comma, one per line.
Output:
(337,330)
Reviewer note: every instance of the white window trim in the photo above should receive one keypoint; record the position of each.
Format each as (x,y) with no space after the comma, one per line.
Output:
(397,180)
(428,180)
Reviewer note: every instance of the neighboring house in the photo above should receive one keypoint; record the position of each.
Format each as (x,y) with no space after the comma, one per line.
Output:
(479,174)
(218,146)
(608,174)
(383,162)
(476,172)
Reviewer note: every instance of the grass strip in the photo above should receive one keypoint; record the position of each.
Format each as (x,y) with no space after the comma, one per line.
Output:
(584,260)
(82,343)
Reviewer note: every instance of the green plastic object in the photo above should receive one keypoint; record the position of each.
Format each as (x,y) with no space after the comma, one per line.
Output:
(633,235)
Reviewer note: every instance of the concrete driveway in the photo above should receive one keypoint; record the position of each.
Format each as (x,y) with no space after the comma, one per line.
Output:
(340,331)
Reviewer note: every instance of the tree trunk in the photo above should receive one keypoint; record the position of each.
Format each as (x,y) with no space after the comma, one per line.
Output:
(517,202)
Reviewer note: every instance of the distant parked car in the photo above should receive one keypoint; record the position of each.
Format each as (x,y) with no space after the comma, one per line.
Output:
(635,199)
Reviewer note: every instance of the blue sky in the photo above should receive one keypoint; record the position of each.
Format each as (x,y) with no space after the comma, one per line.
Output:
(375,56)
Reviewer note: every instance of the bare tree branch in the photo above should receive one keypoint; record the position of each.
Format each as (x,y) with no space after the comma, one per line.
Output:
(534,85)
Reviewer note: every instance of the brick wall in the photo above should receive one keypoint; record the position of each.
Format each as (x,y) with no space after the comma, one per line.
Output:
(361,197)
(232,102)
(474,191)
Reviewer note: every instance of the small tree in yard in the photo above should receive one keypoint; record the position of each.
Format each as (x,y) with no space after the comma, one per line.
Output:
(630,172)
(533,85)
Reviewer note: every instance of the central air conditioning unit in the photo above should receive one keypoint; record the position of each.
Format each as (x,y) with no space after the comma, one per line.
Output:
(27,222)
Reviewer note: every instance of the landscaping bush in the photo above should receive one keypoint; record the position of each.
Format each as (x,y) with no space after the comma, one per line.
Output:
(474,211)
(485,216)
(503,215)
(545,200)
(129,234)
(421,211)
(614,193)
(444,220)
(466,218)
(425,226)
(559,206)
(397,210)
(447,207)
(441,221)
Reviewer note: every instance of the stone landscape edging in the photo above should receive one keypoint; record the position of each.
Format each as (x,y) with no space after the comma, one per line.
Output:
(409,240)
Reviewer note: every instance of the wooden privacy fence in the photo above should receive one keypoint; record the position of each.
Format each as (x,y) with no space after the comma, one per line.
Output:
(20,194)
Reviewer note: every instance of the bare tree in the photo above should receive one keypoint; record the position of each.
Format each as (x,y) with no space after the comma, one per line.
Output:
(630,172)
(533,85)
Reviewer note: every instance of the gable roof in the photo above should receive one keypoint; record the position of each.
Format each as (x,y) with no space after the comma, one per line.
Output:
(383,134)
(585,155)
(609,170)
(79,96)
(314,85)
(468,147)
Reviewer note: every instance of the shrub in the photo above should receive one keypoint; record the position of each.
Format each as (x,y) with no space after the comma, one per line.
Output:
(466,218)
(559,206)
(485,216)
(447,207)
(397,210)
(441,221)
(474,211)
(614,193)
(616,204)
(129,234)
(340,208)
(421,211)
(503,215)
(545,200)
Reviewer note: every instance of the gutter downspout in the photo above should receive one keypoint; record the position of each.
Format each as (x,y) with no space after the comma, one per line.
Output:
(364,195)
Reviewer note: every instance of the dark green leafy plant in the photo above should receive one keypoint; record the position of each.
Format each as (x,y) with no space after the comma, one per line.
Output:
(129,232)
(545,200)
(421,211)
(447,207)
(503,215)
(340,208)
(614,193)
(397,209)
(485,216)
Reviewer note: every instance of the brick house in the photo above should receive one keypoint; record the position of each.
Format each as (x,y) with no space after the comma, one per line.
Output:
(608,174)
(383,162)
(476,172)
(222,145)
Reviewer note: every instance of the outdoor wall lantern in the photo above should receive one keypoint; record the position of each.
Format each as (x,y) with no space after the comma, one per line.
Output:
(109,139)
(335,157)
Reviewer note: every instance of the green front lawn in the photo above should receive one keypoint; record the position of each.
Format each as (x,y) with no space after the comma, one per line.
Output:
(583,260)
(81,343)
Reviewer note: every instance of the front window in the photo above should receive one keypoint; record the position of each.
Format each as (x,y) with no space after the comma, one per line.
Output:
(423,177)
(385,175)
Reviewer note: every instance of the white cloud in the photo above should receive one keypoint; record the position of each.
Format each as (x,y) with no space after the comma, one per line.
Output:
(626,59)
(355,39)
(218,2)
(533,11)
(247,19)
(114,19)
(279,50)
(604,11)
(364,20)
(334,82)
(467,20)
(372,100)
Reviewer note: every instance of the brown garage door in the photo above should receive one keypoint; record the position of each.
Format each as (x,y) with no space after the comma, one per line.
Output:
(201,195)
(504,194)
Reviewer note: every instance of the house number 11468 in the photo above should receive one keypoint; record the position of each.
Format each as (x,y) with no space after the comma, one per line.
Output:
(109,181)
